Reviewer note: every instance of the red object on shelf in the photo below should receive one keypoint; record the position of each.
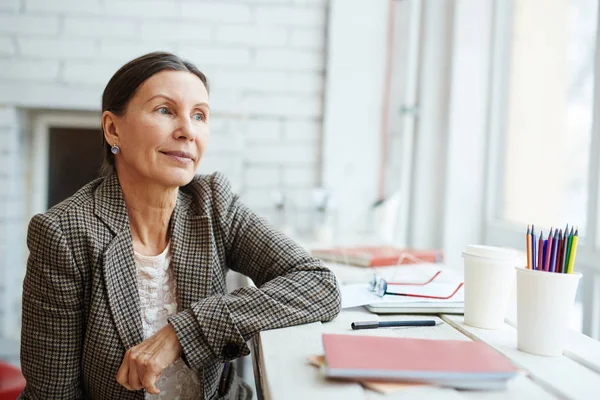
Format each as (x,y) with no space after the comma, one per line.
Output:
(12,381)
(377,256)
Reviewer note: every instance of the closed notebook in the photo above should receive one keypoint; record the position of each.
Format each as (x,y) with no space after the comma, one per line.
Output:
(418,360)
(377,256)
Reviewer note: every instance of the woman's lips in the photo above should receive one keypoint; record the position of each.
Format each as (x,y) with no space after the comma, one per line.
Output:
(179,156)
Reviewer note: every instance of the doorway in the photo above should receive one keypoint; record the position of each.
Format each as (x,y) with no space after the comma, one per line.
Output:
(75,156)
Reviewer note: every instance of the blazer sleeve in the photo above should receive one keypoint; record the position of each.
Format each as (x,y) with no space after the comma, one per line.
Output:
(291,286)
(52,321)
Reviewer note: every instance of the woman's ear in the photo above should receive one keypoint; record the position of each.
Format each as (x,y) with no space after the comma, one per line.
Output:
(109,127)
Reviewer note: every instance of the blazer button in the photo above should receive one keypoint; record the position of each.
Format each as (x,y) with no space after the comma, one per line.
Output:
(231,350)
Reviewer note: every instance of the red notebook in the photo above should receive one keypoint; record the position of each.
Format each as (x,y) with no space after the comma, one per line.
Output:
(377,256)
(417,360)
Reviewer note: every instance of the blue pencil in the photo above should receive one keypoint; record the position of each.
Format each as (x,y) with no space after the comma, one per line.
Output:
(547,251)
(540,260)
(553,254)
(544,255)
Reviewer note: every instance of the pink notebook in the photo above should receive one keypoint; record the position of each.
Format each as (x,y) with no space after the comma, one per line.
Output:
(402,359)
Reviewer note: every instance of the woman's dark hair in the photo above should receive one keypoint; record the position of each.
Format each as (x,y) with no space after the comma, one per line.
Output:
(124,84)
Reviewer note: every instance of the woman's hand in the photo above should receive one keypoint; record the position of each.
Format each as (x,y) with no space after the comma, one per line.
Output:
(144,363)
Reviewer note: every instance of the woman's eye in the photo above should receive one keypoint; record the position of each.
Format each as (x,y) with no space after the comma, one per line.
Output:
(199,116)
(163,110)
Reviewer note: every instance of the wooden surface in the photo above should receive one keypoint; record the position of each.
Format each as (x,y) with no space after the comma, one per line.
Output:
(282,371)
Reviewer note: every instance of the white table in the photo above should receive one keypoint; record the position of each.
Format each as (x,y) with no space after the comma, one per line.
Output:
(282,372)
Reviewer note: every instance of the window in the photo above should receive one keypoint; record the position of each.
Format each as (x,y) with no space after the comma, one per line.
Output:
(543,125)
(548,113)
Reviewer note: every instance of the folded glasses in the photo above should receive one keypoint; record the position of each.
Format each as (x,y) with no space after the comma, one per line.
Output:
(381,290)
(374,280)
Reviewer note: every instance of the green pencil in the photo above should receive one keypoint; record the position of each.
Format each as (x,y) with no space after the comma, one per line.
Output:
(569,242)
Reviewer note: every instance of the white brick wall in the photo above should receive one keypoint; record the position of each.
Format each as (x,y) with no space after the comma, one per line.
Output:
(287,16)
(216,55)
(9,5)
(63,6)
(291,60)
(302,131)
(182,32)
(286,154)
(249,34)
(258,177)
(158,9)
(28,24)
(217,12)
(263,131)
(56,49)
(7,47)
(264,60)
(98,27)
(11,222)
(307,38)
(299,177)
(30,70)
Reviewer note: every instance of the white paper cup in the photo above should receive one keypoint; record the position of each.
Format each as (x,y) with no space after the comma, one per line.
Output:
(489,278)
(544,306)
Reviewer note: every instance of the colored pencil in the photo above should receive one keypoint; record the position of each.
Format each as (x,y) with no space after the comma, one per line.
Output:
(553,252)
(574,242)
(559,252)
(547,252)
(533,248)
(540,260)
(569,243)
(565,250)
(528,244)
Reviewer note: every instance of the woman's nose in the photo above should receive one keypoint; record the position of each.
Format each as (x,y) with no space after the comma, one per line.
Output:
(185,129)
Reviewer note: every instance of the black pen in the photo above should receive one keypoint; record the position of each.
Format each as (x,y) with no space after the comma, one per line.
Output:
(384,324)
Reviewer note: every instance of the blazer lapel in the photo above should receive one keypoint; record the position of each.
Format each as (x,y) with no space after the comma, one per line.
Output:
(191,249)
(192,252)
(118,263)
(121,286)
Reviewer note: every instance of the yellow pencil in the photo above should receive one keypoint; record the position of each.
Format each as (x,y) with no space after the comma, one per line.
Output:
(573,252)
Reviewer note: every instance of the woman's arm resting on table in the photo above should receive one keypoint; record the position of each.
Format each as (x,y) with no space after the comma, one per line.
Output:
(291,286)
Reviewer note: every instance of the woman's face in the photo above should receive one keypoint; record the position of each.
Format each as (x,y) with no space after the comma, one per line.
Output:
(164,130)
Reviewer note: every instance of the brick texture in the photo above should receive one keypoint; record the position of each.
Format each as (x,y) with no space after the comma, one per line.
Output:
(264,60)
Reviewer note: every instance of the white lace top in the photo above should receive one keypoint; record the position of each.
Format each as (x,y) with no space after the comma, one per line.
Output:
(158,300)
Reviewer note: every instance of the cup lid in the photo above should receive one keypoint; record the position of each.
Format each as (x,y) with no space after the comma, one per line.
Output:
(493,252)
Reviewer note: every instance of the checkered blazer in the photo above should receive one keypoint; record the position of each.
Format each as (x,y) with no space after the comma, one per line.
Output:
(81,306)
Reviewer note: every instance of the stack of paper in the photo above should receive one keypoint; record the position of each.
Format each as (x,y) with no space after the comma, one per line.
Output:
(453,363)
(422,287)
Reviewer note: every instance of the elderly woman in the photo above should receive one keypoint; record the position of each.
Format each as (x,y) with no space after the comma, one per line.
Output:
(124,295)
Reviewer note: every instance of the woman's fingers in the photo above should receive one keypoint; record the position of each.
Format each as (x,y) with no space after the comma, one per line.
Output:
(143,364)
(133,376)
(149,380)
(123,373)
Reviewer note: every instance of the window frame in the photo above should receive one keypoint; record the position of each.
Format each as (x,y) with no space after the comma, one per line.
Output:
(504,233)
(496,230)
(38,161)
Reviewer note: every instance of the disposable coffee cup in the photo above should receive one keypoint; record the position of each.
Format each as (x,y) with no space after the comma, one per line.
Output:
(489,278)
(544,307)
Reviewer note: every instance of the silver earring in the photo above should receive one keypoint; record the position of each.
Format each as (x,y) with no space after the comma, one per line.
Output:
(115,149)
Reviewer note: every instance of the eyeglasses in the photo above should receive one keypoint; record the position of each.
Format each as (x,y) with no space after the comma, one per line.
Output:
(374,280)
(381,290)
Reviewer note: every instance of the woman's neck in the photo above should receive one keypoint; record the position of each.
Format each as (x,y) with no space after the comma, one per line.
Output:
(149,207)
